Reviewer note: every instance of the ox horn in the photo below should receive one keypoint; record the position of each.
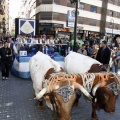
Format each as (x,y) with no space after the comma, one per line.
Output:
(41,93)
(84,91)
(95,88)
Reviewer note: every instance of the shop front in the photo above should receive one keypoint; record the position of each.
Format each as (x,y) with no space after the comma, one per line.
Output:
(48,29)
(110,32)
(63,33)
(93,34)
(81,33)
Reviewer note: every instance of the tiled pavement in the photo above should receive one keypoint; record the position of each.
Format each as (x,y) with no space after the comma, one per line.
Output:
(17,103)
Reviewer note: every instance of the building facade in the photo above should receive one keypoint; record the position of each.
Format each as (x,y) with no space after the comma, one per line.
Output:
(4,17)
(95,17)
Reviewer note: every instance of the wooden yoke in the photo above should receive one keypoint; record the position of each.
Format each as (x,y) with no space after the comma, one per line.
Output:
(51,83)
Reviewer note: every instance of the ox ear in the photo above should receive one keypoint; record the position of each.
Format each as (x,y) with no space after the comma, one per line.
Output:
(106,97)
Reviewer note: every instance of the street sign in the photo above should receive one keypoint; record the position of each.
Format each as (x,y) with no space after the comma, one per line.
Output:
(73,13)
(70,19)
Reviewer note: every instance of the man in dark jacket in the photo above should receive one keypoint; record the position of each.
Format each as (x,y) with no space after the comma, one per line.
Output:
(103,54)
(6,60)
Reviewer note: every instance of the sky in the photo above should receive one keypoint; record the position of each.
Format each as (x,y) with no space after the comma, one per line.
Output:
(14,7)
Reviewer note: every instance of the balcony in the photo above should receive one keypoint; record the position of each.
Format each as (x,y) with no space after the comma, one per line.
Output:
(1,9)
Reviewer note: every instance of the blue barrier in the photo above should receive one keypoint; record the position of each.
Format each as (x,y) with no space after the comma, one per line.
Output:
(20,66)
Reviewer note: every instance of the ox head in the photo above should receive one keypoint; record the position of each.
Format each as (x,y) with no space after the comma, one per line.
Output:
(106,96)
(62,97)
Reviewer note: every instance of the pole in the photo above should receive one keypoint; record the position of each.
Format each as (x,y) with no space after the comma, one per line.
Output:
(75,26)
(112,21)
(112,30)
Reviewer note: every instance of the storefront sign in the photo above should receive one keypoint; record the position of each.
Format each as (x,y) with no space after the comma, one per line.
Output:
(51,24)
(70,19)
(23,53)
(63,29)
(94,33)
(57,25)
(47,32)
(45,24)
(108,30)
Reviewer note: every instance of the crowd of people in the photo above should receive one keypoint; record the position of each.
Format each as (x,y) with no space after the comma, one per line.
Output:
(106,52)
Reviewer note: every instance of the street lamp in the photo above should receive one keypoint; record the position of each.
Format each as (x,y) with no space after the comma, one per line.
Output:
(112,25)
(75,25)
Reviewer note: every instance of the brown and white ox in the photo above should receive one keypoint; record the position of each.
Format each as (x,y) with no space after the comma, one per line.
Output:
(57,89)
(103,87)
(78,63)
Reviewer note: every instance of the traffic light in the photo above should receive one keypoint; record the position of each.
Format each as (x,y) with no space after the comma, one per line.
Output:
(73,1)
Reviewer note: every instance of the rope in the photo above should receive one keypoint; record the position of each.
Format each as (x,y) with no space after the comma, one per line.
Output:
(57,78)
(88,80)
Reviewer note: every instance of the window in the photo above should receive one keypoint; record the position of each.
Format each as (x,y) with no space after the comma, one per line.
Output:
(45,16)
(119,2)
(80,20)
(55,16)
(40,1)
(93,9)
(112,1)
(111,13)
(69,4)
(92,22)
(118,14)
(45,1)
(57,2)
(82,6)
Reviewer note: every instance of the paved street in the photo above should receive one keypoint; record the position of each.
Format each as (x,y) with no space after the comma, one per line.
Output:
(17,103)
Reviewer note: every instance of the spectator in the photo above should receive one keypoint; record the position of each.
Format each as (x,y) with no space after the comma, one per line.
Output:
(1,44)
(77,47)
(95,50)
(115,43)
(68,48)
(82,50)
(12,46)
(115,58)
(89,50)
(6,60)
(59,49)
(103,54)
(63,48)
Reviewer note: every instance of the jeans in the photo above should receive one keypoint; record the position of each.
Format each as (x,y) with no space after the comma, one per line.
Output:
(115,68)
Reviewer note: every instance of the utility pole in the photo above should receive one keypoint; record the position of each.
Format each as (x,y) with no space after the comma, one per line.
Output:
(75,25)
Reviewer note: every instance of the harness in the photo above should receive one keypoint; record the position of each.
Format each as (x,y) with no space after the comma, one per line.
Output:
(88,80)
(55,79)
(114,86)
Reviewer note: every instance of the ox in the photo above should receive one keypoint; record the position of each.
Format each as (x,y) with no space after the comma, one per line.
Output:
(104,87)
(54,86)
(78,63)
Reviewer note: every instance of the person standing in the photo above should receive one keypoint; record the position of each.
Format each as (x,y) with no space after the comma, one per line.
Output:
(82,50)
(0,56)
(6,60)
(68,48)
(104,54)
(115,54)
(12,46)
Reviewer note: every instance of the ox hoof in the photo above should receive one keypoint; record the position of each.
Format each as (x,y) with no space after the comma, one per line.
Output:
(40,107)
(94,119)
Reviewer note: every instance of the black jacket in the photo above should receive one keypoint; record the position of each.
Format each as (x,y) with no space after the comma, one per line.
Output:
(103,56)
(6,54)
